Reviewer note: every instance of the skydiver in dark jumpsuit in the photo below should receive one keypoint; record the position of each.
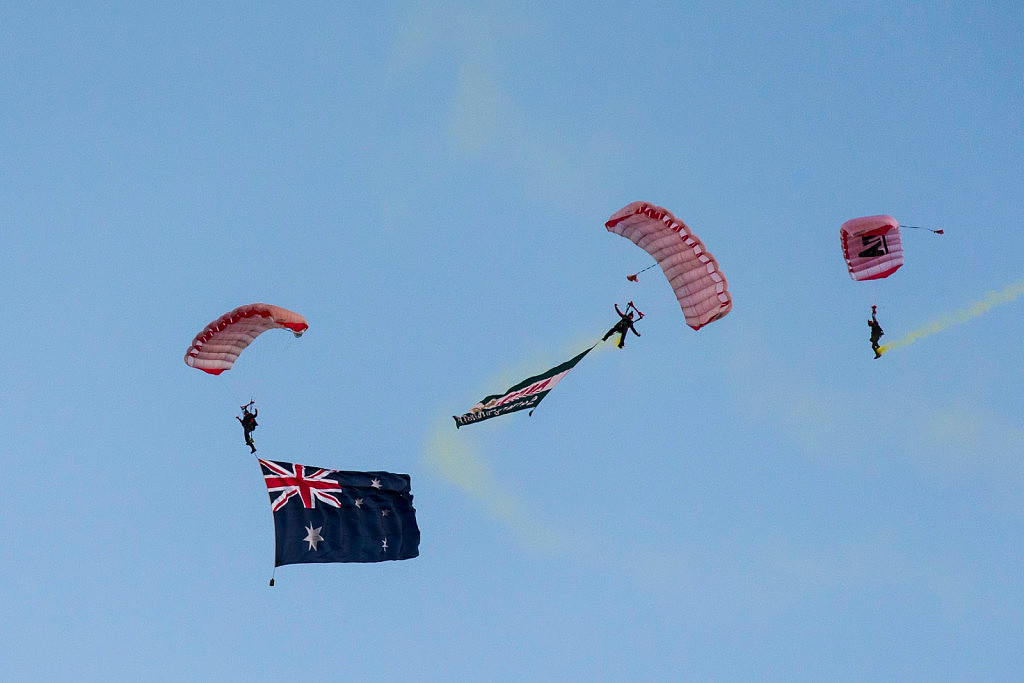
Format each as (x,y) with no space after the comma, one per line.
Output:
(624,325)
(249,423)
(876,333)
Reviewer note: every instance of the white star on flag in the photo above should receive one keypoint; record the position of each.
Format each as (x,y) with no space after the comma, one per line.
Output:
(313,537)
(375,483)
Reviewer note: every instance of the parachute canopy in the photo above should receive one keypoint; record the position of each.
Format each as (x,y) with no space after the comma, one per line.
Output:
(699,284)
(216,348)
(872,246)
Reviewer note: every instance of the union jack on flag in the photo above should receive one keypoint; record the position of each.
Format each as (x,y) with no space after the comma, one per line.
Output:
(309,487)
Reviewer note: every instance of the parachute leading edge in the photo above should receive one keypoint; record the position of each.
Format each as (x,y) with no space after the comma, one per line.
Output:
(218,346)
(699,284)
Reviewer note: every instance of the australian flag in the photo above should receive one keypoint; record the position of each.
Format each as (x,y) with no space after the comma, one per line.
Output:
(323,515)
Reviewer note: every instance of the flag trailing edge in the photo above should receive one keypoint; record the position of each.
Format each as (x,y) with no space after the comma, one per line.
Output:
(325,515)
(526,394)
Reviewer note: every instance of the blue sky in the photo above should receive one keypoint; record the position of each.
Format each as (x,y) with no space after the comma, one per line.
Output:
(428,185)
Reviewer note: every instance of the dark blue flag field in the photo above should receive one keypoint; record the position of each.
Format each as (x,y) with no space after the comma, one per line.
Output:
(324,515)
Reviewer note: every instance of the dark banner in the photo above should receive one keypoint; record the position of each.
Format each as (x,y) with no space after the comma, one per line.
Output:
(526,394)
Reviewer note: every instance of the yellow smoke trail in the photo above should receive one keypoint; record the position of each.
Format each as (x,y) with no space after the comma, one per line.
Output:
(1004,296)
(453,453)
(454,456)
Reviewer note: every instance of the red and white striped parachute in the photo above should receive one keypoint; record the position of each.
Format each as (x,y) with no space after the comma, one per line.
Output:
(216,348)
(699,284)
(872,246)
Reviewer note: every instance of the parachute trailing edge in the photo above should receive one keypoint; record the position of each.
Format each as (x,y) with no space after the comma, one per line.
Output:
(217,347)
(699,284)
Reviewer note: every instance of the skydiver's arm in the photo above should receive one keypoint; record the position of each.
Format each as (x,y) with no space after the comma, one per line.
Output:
(634,330)
(617,309)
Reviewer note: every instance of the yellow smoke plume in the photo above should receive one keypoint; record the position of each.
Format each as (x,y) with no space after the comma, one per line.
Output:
(1003,296)
(453,455)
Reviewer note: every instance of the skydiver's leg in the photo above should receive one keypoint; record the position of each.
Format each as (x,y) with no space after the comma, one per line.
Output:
(622,339)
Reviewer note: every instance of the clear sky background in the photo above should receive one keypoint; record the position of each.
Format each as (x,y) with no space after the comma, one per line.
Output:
(428,184)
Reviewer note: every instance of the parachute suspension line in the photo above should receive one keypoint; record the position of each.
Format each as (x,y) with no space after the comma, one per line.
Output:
(635,276)
(918,227)
(227,388)
(234,389)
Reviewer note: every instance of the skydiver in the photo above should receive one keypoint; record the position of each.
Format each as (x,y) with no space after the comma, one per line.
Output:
(624,325)
(249,423)
(876,333)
